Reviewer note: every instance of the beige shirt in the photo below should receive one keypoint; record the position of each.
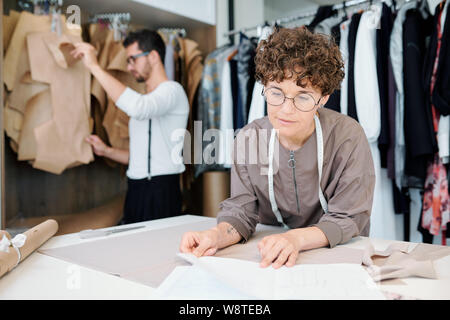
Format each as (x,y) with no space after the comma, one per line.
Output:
(348,181)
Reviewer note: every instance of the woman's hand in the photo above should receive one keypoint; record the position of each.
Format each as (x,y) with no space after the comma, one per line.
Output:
(279,249)
(200,243)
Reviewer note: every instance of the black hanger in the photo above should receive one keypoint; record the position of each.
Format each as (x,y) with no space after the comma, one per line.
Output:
(344,7)
(394,5)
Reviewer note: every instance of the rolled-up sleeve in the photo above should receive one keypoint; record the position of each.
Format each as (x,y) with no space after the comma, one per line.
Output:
(146,106)
(350,205)
(240,210)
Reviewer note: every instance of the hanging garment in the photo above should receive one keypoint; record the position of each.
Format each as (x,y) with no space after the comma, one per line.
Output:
(246,74)
(436,210)
(9,24)
(13,120)
(257,106)
(323,12)
(326,25)
(383,36)
(367,101)
(396,56)
(441,92)
(26,24)
(238,120)
(353,29)
(61,141)
(343,46)
(101,37)
(38,112)
(169,59)
(347,183)
(420,142)
(24,87)
(226,118)
(193,68)
(209,108)
(444,122)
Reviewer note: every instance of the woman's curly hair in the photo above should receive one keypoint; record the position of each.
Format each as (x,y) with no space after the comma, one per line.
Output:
(302,56)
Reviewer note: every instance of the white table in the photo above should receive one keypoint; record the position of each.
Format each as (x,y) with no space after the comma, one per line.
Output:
(43,277)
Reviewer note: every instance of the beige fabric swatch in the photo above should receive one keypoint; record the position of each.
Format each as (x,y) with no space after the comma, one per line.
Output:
(9,24)
(38,112)
(61,141)
(396,262)
(26,24)
(13,120)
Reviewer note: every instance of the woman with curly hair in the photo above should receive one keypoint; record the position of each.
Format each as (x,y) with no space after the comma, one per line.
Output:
(319,179)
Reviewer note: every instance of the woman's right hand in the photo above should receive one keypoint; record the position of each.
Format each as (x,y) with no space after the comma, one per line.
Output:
(98,146)
(200,243)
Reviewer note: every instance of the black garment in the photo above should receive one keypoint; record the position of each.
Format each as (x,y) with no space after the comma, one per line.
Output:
(152,199)
(441,92)
(420,142)
(235,92)
(334,102)
(353,29)
(383,38)
(246,74)
(322,13)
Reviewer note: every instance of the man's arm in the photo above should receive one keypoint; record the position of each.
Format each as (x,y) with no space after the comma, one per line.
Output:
(101,149)
(118,155)
(113,87)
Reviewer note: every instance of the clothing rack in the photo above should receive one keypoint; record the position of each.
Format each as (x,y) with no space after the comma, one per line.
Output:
(41,7)
(339,6)
(124,17)
(176,31)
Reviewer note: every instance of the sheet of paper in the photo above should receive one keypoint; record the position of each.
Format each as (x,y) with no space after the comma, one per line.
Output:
(195,283)
(308,281)
(149,256)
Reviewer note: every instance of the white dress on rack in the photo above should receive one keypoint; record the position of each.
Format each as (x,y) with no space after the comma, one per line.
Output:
(226,118)
(369,114)
(343,45)
(258,104)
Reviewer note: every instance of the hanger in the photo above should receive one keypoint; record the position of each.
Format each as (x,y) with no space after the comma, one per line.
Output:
(344,7)
(232,54)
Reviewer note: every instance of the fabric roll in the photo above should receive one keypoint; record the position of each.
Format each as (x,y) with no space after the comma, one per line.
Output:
(35,237)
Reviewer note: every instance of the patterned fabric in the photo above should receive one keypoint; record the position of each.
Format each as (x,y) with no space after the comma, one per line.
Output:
(436,212)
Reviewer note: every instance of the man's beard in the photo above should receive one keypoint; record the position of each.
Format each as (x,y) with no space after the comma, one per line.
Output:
(140,78)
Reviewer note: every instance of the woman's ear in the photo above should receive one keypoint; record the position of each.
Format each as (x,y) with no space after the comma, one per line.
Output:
(324,100)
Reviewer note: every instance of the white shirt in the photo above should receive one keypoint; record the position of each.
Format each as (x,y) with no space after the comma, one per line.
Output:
(226,118)
(257,106)
(168,108)
(344,27)
(396,55)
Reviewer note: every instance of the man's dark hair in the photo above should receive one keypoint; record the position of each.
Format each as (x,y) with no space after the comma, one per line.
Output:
(147,40)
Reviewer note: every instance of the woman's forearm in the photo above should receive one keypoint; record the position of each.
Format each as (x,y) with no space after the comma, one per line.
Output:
(309,238)
(228,235)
